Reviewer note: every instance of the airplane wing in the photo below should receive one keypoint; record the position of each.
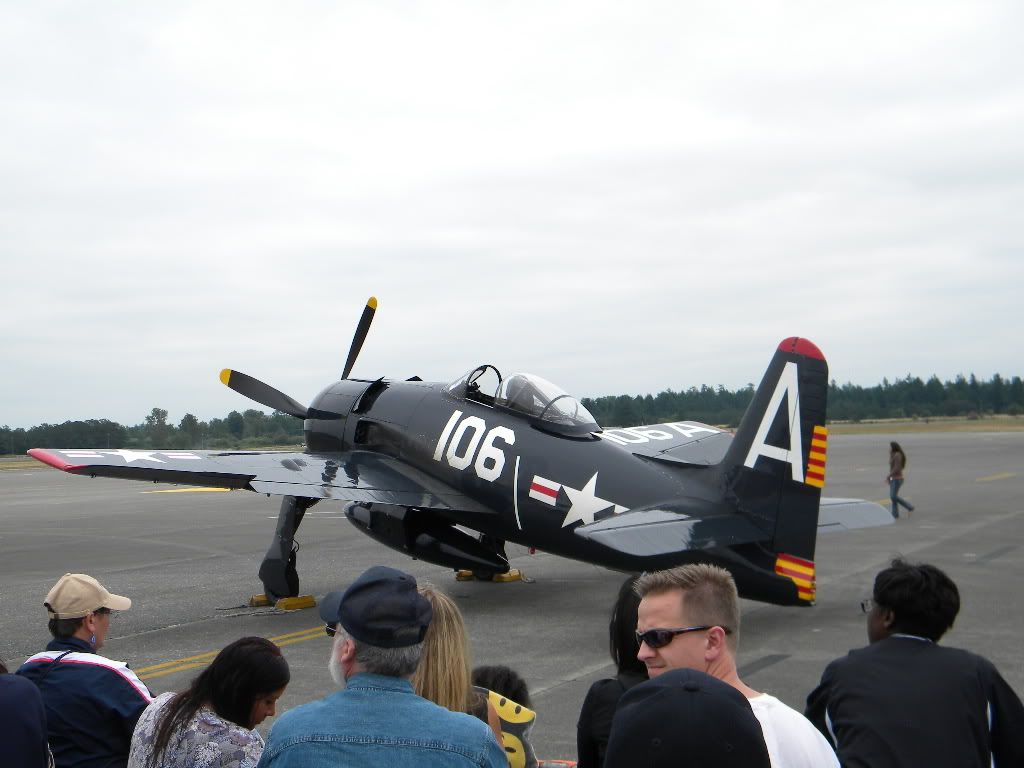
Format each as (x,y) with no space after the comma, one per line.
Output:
(680,442)
(671,528)
(346,476)
(847,514)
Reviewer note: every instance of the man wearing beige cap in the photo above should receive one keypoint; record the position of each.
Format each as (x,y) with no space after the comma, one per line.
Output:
(92,702)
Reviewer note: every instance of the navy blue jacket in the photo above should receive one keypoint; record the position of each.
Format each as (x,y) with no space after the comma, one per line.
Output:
(906,701)
(24,723)
(92,703)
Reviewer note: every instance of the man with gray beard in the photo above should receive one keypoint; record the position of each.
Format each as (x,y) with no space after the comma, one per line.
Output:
(376,719)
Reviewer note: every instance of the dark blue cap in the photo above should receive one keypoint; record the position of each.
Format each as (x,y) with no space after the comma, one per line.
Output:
(382,608)
(685,718)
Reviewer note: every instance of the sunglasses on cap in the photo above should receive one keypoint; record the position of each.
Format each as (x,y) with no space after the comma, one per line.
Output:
(659,638)
(331,629)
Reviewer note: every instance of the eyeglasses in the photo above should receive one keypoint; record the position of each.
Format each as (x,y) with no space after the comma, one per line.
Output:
(659,638)
(867,604)
(331,629)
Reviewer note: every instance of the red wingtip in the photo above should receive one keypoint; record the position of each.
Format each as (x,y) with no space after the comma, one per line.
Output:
(54,461)
(800,346)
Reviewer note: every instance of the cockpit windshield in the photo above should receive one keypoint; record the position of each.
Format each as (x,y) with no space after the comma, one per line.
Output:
(529,395)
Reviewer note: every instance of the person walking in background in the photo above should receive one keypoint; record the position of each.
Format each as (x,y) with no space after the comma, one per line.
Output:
(211,724)
(904,700)
(897,463)
(92,702)
(595,722)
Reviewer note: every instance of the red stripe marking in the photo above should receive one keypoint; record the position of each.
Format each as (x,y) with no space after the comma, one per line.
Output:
(801,347)
(796,574)
(54,461)
(797,560)
(816,463)
(544,490)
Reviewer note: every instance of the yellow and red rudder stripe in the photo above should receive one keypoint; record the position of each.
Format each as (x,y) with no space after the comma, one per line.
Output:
(815,474)
(800,572)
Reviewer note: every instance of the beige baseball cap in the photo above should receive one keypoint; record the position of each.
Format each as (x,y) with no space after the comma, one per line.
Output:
(77,595)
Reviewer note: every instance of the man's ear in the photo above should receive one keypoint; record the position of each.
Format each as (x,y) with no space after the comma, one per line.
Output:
(714,643)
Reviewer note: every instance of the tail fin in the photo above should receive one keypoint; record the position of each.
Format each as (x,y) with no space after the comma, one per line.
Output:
(774,469)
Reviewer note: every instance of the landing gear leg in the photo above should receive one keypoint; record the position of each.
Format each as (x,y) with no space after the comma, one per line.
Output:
(277,571)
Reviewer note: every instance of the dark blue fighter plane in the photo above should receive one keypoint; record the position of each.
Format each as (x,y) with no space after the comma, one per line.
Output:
(449,472)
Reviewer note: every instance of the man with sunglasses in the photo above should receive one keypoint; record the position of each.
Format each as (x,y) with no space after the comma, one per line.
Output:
(92,702)
(376,719)
(906,700)
(689,618)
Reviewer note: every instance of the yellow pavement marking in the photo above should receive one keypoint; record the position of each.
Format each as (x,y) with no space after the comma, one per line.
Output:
(191,490)
(1000,476)
(202,659)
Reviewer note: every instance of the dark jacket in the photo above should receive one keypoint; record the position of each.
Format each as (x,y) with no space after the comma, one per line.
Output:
(595,723)
(24,724)
(92,704)
(905,701)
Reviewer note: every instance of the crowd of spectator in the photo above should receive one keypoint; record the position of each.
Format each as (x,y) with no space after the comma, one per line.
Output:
(406,693)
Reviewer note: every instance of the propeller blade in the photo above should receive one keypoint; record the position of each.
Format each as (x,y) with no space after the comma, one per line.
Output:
(360,337)
(264,394)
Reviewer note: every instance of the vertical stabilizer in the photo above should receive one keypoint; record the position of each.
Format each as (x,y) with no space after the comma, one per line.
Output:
(774,469)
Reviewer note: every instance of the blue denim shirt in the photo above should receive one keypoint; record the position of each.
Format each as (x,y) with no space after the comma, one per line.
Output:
(379,721)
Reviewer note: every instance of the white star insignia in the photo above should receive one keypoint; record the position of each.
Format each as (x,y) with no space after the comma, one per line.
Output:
(585,503)
(130,456)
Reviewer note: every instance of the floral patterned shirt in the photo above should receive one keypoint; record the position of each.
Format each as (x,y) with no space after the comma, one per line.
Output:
(206,741)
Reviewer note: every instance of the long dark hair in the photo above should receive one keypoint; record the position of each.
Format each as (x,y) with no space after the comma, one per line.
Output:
(242,672)
(622,642)
(894,447)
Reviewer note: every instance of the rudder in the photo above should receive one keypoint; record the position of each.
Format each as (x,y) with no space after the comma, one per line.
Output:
(774,469)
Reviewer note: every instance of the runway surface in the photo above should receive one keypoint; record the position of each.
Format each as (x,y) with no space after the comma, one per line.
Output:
(189,560)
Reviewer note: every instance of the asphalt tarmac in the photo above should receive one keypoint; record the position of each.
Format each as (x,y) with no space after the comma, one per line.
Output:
(189,560)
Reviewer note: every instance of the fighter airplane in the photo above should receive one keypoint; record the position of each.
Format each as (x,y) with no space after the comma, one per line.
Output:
(448,472)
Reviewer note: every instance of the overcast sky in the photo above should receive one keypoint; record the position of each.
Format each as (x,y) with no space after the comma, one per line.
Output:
(620,197)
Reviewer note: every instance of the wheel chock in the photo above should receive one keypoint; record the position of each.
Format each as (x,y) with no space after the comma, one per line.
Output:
(514,574)
(464,575)
(295,603)
(259,601)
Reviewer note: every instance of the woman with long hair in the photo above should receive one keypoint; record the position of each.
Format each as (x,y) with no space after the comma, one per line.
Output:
(897,463)
(444,674)
(211,724)
(595,723)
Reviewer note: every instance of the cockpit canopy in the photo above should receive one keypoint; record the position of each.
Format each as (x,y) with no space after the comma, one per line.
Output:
(549,406)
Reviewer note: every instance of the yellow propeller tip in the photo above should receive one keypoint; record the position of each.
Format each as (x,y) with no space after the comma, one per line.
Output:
(225,377)
(372,303)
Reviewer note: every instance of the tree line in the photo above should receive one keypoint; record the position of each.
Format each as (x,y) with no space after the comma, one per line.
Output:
(904,398)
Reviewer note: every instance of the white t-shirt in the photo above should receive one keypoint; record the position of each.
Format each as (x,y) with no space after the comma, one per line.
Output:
(792,741)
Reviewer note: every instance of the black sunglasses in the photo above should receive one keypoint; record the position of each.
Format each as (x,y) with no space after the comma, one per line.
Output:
(331,629)
(659,638)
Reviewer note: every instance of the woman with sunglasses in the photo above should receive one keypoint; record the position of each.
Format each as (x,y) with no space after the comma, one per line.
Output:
(599,706)
(211,724)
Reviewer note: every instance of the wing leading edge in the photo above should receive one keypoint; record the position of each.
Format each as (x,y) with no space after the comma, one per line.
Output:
(349,476)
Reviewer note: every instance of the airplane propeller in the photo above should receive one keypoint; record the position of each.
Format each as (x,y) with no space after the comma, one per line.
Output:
(360,335)
(264,394)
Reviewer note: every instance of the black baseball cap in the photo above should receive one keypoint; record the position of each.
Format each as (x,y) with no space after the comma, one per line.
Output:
(684,718)
(381,608)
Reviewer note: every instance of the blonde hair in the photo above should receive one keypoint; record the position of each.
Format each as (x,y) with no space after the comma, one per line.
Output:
(708,596)
(445,670)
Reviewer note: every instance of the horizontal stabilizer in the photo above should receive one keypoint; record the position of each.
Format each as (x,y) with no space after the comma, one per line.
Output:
(847,514)
(653,532)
